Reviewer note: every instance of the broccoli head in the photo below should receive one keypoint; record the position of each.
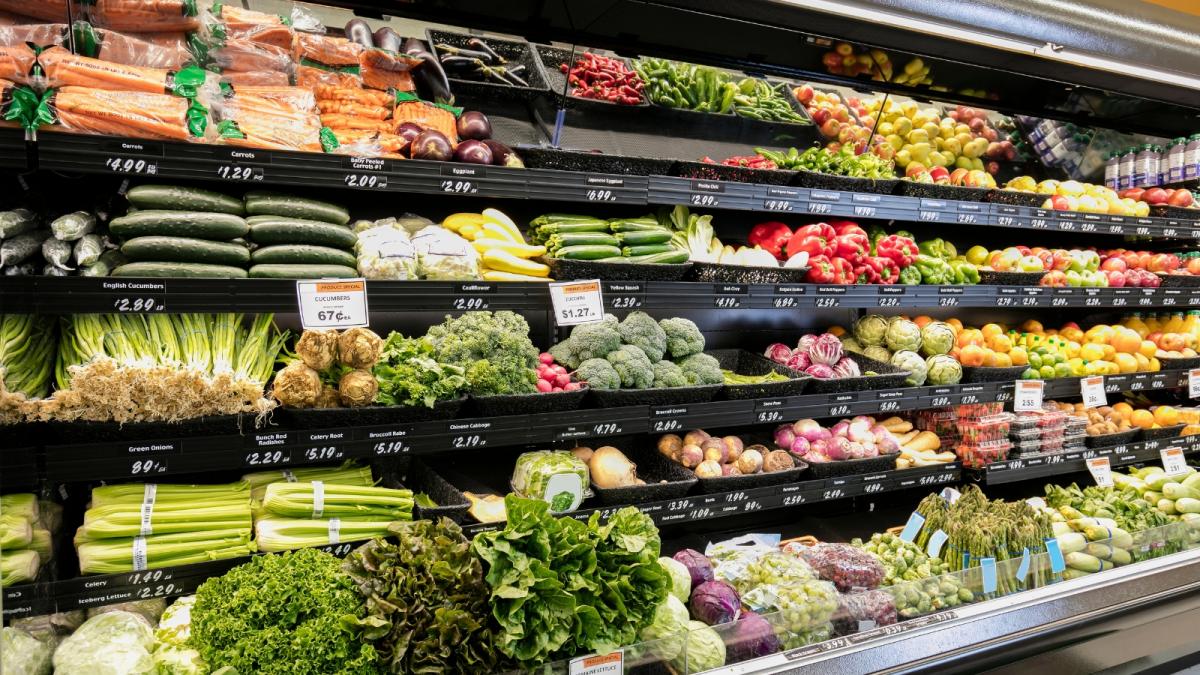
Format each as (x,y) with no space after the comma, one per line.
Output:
(587,341)
(683,337)
(702,369)
(634,367)
(492,347)
(599,374)
(641,330)
(667,374)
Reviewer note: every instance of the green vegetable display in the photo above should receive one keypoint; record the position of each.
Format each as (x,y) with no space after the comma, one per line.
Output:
(914,363)
(588,341)
(683,337)
(493,348)
(599,374)
(23,654)
(409,374)
(902,560)
(668,374)
(943,369)
(687,86)
(937,337)
(642,331)
(112,643)
(840,163)
(633,367)
(701,369)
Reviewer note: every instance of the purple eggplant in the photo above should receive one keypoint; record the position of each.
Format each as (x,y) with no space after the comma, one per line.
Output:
(473,152)
(386,38)
(473,124)
(430,144)
(429,77)
(358,31)
(502,155)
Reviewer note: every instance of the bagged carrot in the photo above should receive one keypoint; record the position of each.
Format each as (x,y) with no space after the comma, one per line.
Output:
(127,113)
(281,118)
(312,76)
(40,34)
(18,105)
(147,16)
(426,115)
(342,121)
(255,78)
(63,68)
(367,97)
(246,56)
(117,47)
(334,107)
(43,10)
(19,63)
(382,69)
(231,22)
(328,51)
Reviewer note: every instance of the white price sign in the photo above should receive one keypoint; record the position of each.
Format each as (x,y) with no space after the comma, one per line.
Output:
(1027,395)
(608,664)
(338,303)
(1173,461)
(1101,471)
(1194,383)
(1092,390)
(577,302)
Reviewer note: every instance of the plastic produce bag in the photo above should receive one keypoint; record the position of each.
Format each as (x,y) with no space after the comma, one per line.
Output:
(18,63)
(386,252)
(117,47)
(23,654)
(150,609)
(327,51)
(63,68)
(387,71)
(146,16)
(443,255)
(731,556)
(557,477)
(113,643)
(39,34)
(127,113)
(864,610)
(234,23)
(848,567)
(310,76)
(279,118)
(45,10)
(779,582)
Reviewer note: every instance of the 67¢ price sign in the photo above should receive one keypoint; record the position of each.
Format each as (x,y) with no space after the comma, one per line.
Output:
(577,302)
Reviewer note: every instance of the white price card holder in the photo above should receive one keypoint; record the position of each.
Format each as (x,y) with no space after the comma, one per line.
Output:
(612,663)
(913,527)
(1027,395)
(332,303)
(1101,471)
(577,302)
(1194,383)
(1173,461)
(1092,391)
(936,541)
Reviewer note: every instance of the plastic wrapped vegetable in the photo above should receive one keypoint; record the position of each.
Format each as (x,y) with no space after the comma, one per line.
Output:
(113,643)
(847,567)
(441,254)
(23,654)
(715,602)
(864,610)
(556,477)
(386,252)
(779,582)
(73,225)
(704,650)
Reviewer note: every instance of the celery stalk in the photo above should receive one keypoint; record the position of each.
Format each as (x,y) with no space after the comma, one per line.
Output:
(166,493)
(18,566)
(295,500)
(282,534)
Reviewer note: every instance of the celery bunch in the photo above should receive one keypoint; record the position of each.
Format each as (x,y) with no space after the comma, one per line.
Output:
(27,347)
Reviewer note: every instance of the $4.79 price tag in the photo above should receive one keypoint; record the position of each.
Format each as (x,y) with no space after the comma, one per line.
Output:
(333,304)
(1194,383)
(1027,395)
(1092,390)
(1173,461)
(577,302)
(1101,471)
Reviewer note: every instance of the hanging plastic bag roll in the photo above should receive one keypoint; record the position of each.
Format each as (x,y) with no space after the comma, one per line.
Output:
(117,47)
(45,10)
(63,69)
(127,113)
(145,16)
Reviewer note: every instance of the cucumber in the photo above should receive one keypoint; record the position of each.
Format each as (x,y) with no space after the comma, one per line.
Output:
(194,224)
(278,230)
(184,199)
(184,249)
(250,220)
(303,254)
(302,272)
(588,252)
(178,269)
(270,203)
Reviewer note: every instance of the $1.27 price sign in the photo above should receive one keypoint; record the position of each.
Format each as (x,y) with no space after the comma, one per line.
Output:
(1027,395)
(577,302)
(333,304)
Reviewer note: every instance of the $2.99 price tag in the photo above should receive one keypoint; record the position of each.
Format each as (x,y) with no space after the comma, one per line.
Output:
(1194,383)
(577,302)
(1027,395)
(1092,391)
(1101,471)
(333,304)
(1173,461)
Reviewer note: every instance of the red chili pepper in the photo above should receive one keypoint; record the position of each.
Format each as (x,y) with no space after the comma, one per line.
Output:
(815,239)
(603,78)
(901,250)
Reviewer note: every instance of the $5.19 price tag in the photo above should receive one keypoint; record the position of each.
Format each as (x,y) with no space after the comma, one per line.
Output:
(1101,471)
(1027,395)
(1194,383)
(577,302)
(1092,390)
(1173,461)
(333,304)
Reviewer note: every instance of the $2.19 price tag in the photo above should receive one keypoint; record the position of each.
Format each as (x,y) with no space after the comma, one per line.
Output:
(333,304)
(1092,390)
(1101,471)
(1027,395)
(1194,383)
(1173,461)
(577,302)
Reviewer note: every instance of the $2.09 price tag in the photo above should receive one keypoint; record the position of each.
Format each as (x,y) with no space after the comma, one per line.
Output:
(1027,395)
(1173,461)
(333,304)
(1101,471)
(577,302)
(1092,391)
(1193,383)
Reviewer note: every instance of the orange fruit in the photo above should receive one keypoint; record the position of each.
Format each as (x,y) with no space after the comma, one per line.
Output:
(1019,356)
(1000,343)
(1125,341)
(971,355)
(1032,326)
(1166,415)
(1123,409)
(955,323)
(989,358)
(992,329)
(923,320)
(1003,360)
(1109,351)
(1143,419)
(836,330)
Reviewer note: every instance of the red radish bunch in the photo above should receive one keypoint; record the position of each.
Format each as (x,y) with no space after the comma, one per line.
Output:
(553,377)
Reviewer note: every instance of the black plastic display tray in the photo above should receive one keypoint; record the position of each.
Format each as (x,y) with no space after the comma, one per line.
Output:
(562,268)
(888,377)
(742,274)
(743,362)
(515,51)
(911,188)
(368,415)
(528,404)
(537,157)
(986,374)
(826,181)
(739,174)
(552,57)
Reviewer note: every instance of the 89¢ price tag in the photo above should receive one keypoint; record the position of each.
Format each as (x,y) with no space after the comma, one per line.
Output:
(577,302)
(333,304)
(1027,395)
(1194,383)
(1101,471)
(1092,390)
(1173,461)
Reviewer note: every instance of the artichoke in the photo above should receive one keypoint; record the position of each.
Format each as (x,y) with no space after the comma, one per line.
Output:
(877,353)
(937,337)
(870,330)
(903,334)
(943,369)
(914,364)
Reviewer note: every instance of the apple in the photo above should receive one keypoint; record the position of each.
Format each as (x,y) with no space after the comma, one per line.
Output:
(830,128)
(1047,258)
(1116,278)
(832,60)
(844,49)
(1074,278)
(804,93)
(820,115)
(958,177)
(1059,203)
(1193,266)
(1054,278)
(940,175)
(1030,263)
(1182,198)
(1155,196)
(1114,264)
(914,169)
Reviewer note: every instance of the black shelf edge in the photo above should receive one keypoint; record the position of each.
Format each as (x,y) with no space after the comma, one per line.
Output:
(1036,468)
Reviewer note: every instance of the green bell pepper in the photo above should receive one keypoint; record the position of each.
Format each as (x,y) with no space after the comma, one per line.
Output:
(964,273)
(910,276)
(934,270)
(935,248)
(875,233)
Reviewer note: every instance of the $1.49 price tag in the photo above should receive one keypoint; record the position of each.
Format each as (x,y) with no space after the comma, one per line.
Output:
(577,302)
(1027,395)
(333,304)
(1194,383)
(1092,390)
(1101,471)
(1173,461)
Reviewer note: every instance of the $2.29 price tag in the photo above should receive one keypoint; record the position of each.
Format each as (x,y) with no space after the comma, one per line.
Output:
(1027,395)
(333,304)
(1101,471)
(1092,391)
(577,302)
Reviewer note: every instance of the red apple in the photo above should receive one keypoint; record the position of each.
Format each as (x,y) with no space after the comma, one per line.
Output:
(1060,203)
(832,60)
(994,167)
(1114,264)
(1116,278)
(1155,196)
(1182,198)
(830,127)
(958,176)
(804,93)
(820,115)
(844,48)
(914,169)
(841,114)
(1193,266)
(939,174)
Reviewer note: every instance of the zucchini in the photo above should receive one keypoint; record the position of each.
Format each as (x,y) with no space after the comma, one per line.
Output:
(636,226)
(564,218)
(302,254)
(178,269)
(270,203)
(302,272)
(581,239)
(278,230)
(193,224)
(673,257)
(651,249)
(184,249)
(645,237)
(588,252)
(559,228)
(179,198)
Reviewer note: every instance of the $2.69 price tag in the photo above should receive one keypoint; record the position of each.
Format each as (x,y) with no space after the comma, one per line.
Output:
(1092,390)
(1101,471)
(333,304)
(577,302)
(1027,395)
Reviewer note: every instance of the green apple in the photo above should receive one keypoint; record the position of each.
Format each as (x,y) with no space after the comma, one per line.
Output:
(1074,278)
(1030,263)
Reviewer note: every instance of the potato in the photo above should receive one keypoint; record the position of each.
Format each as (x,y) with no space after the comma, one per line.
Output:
(778,460)
(670,445)
(733,447)
(695,437)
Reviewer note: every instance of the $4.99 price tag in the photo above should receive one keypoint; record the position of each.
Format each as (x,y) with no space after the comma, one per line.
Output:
(333,304)
(1194,383)
(577,302)
(1101,471)
(1027,395)
(1092,390)
(1173,461)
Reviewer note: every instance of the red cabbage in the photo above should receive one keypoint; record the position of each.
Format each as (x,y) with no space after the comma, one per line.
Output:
(752,637)
(697,565)
(778,352)
(715,602)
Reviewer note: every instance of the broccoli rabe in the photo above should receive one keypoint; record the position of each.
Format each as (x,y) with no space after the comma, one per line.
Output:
(702,369)
(667,374)
(587,341)
(632,364)
(599,374)
(642,331)
(683,337)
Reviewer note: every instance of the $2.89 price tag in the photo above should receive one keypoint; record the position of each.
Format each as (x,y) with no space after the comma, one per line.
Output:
(577,302)
(333,304)
(1027,395)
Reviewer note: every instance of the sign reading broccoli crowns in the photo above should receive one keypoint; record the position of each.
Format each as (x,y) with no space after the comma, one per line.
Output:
(577,302)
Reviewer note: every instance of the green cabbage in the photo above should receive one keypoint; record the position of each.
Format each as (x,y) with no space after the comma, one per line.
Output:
(937,338)
(23,654)
(912,362)
(871,330)
(704,651)
(681,579)
(666,631)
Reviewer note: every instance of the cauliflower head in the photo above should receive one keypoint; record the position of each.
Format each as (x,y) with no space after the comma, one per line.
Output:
(642,331)
(683,337)
(634,367)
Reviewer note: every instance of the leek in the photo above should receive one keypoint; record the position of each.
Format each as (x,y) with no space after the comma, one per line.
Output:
(224,342)
(15,531)
(27,348)
(166,493)
(295,500)
(18,566)
(124,520)
(194,331)
(283,534)
(20,504)
(113,556)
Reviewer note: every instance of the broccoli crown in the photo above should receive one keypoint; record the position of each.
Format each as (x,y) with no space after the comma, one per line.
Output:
(683,337)
(667,374)
(494,348)
(702,369)
(599,374)
(587,341)
(634,367)
(641,330)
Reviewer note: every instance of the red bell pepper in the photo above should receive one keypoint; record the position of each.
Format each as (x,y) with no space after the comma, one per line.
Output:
(820,270)
(842,227)
(843,271)
(815,239)
(852,247)
(901,250)
(883,270)
(863,274)
(771,236)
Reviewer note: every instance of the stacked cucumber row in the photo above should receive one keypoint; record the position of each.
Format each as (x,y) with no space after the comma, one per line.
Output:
(173,231)
(633,240)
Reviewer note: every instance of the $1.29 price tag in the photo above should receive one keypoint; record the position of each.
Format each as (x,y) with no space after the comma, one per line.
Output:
(1092,390)
(1194,383)
(1173,461)
(1027,395)
(1101,471)
(577,302)
(333,304)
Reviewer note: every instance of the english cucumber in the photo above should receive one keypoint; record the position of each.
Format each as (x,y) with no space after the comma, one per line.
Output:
(302,254)
(184,199)
(194,224)
(269,203)
(277,230)
(184,249)
(302,272)
(178,269)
